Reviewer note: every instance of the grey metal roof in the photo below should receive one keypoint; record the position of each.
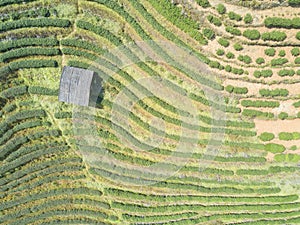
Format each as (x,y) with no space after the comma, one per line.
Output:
(75,85)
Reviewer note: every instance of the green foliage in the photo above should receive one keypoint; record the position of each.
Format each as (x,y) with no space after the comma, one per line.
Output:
(83,44)
(215,64)
(42,91)
(220,52)
(238,71)
(245,58)
(260,60)
(21,52)
(263,73)
(270,52)
(234,16)
(278,62)
(254,113)
(294,2)
(62,115)
(14,91)
(214,20)
(298,35)
(9,2)
(228,68)
(203,3)
(291,158)
(277,22)
(295,51)
(251,34)
(41,22)
(283,115)
(274,93)
(169,11)
(32,13)
(73,51)
(248,18)
(296,104)
(274,36)
(238,47)
(274,148)
(230,55)
(99,30)
(232,30)
(236,90)
(286,72)
(297,60)
(266,136)
(23,42)
(223,42)
(286,136)
(260,103)
(221,9)
(209,33)
(31,63)
(281,53)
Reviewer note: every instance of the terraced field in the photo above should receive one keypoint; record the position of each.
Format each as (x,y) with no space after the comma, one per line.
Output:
(198,120)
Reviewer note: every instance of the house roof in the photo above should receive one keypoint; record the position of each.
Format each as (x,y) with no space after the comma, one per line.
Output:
(75,85)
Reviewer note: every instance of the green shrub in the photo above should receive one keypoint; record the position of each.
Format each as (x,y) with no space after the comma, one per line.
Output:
(278,62)
(294,2)
(245,58)
(298,72)
(223,42)
(32,64)
(298,35)
(260,60)
(214,20)
(21,52)
(234,16)
(228,68)
(283,115)
(251,34)
(295,51)
(263,73)
(203,3)
(274,148)
(238,47)
(42,90)
(221,9)
(232,30)
(266,136)
(260,103)
(274,93)
(214,64)
(248,18)
(237,71)
(285,72)
(294,158)
(23,42)
(230,55)
(220,52)
(236,90)
(296,104)
(209,33)
(297,60)
(255,113)
(281,53)
(270,52)
(272,22)
(286,136)
(274,36)
(41,22)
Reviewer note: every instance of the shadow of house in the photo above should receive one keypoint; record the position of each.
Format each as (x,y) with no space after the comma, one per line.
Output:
(79,87)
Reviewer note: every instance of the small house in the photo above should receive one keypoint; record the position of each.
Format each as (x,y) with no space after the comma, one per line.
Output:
(79,86)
